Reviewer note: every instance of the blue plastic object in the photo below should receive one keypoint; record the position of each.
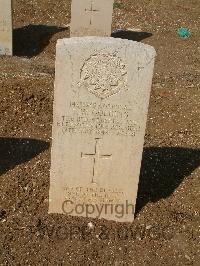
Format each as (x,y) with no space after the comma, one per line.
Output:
(184,33)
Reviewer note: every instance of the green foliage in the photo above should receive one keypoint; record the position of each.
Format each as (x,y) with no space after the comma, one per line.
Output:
(118,5)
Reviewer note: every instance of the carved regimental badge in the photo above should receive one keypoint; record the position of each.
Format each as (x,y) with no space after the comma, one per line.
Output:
(104,75)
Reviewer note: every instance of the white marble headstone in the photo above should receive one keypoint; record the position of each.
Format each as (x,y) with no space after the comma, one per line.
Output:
(5,27)
(91,18)
(102,90)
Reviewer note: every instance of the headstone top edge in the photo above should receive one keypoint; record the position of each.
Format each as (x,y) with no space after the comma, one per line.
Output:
(105,40)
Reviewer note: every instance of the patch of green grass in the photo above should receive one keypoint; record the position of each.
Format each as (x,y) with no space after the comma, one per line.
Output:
(118,5)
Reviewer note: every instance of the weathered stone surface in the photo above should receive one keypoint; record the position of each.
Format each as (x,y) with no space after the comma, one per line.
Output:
(91,18)
(102,90)
(5,27)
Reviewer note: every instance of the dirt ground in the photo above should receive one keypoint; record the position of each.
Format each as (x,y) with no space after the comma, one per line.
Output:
(166,227)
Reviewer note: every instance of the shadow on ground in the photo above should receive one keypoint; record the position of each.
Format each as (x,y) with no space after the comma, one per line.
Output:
(16,151)
(162,171)
(131,35)
(31,40)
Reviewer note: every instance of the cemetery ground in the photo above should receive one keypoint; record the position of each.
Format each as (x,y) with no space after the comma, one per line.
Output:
(165,230)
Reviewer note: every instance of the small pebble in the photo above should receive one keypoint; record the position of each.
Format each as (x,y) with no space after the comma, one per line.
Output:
(90,225)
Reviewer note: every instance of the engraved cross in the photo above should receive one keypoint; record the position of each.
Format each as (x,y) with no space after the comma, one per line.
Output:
(91,10)
(96,156)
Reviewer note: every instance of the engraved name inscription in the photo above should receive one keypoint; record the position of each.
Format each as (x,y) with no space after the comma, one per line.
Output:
(101,119)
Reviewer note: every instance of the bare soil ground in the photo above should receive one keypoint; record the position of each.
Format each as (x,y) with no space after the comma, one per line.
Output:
(165,230)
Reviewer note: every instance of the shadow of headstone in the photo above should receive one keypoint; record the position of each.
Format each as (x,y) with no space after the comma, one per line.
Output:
(32,39)
(16,151)
(131,35)
(162,171)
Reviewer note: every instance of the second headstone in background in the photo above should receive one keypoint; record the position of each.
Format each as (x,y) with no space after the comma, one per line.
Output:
(5,27)
(91,18)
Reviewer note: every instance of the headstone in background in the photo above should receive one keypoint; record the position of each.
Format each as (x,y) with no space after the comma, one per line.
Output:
(91,18)
(5,27)
(102,91)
